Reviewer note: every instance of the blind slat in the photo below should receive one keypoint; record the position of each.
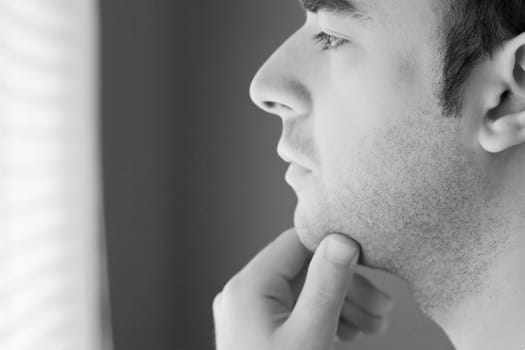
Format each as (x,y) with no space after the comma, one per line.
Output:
(48,209)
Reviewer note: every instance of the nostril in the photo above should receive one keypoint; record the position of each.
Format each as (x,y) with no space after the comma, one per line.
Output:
(269,104)
(275,107)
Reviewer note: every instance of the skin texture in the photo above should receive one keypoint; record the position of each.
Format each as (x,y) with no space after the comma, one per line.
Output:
(386,159)
(417,189)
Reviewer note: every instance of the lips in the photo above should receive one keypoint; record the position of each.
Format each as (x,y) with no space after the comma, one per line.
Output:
(292,160)
(297,175)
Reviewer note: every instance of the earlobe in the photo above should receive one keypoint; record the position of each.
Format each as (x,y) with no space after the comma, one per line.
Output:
(505,132)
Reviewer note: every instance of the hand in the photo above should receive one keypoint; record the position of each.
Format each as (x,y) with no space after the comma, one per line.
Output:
(264,308)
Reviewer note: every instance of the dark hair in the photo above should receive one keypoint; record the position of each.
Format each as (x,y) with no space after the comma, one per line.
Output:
(474,29)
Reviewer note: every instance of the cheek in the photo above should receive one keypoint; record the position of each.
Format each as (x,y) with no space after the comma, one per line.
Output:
(373,160)
(395,157)
(374,123)
(356,118)
(366,90)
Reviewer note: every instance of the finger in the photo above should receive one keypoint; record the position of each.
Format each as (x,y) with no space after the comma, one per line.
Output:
(216,304)
(265,284)
(283,258)
(298,283)
(315,316)
(347,332)
(365,322)
(217,314)
(368,297)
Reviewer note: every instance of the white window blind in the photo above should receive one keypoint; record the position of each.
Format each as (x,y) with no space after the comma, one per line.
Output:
(50,233)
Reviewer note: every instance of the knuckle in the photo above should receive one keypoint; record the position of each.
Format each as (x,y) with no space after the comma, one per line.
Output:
(364,292)
(216,302)
(322,296)
(366,322)
(232,287)
(236,286)
(373,325)
(347,330)
(384,298)
(230,296)
(387,308)
(348,335)
(380,303)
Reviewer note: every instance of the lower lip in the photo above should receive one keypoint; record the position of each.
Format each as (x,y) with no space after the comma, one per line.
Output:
(296,175)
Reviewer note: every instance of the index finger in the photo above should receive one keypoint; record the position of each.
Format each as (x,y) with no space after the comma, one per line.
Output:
(284,257)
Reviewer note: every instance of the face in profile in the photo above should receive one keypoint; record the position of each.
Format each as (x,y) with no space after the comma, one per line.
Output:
(358,92)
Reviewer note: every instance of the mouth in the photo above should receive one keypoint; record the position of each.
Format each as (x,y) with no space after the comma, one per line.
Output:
(288,157)
(296,175)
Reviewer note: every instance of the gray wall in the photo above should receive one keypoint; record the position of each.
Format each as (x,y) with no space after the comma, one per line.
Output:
(194,187)
(142,157)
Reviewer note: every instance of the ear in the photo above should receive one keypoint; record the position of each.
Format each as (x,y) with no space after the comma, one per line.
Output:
(503,124)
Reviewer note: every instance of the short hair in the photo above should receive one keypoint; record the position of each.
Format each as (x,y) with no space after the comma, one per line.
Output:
(474,30)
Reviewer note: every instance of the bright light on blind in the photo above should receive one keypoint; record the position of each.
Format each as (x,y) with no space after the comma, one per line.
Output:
(50,247)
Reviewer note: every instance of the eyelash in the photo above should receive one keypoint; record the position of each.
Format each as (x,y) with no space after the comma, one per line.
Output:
(329,42)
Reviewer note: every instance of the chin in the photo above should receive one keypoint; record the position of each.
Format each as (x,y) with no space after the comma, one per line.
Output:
(314,222)
(311,240)
(307,239)
(309,235)
(312,232)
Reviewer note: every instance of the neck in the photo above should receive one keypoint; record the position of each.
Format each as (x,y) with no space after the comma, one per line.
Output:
(494,318)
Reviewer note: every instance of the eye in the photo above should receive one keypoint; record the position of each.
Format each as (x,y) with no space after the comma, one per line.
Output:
(329,42)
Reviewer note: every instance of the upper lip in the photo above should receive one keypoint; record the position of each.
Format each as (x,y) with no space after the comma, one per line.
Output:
(284,155)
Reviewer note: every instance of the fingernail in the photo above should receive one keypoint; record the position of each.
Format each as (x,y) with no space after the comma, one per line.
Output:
(340,250)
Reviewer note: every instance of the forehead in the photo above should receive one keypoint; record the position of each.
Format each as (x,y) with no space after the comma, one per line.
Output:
(377,9)
(352,8)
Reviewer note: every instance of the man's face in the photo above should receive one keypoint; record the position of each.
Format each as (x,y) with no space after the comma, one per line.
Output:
(387,167)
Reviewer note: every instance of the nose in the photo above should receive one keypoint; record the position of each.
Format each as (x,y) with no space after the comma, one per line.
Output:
(280,87)
(277,87)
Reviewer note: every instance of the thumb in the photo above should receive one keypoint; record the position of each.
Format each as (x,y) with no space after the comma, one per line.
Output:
(315,316)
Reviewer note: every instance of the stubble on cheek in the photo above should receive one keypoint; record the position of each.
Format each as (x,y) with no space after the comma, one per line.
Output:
(375,192)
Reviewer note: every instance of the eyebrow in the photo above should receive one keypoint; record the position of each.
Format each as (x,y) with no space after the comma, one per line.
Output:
(338,7)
